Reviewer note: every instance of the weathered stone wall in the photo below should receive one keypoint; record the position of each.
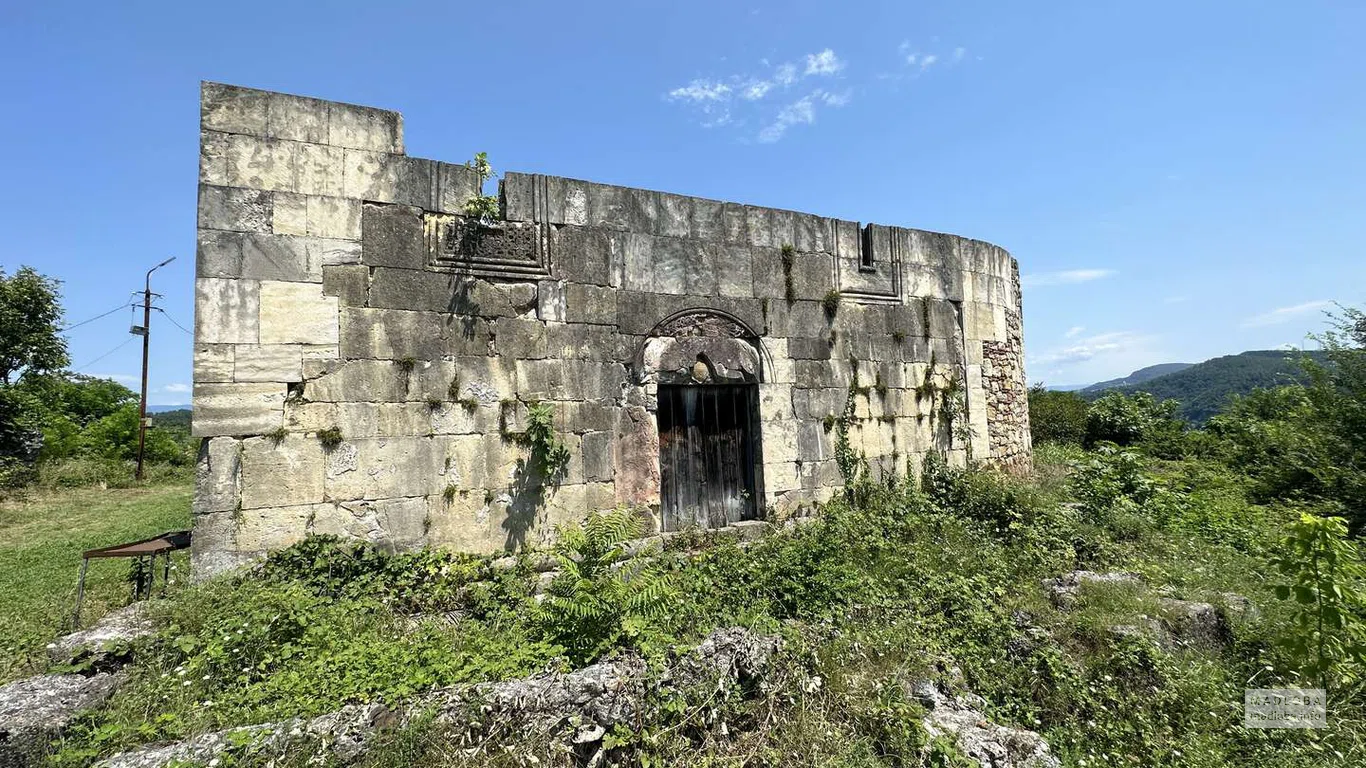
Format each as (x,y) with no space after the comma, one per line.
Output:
(339,294)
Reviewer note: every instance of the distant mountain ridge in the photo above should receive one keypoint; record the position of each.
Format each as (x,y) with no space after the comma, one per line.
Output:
(1204,388)
(1139,376)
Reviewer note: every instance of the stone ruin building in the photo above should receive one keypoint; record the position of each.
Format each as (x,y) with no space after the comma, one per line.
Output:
(366,356)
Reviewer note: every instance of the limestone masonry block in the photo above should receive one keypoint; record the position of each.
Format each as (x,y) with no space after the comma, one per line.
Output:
(237,409)
(261,163)
(217,475)
(320,170)
(240,210)
(277,473)
(364,128)
(297,313)
(296,118)
(213,157)
(231,109)
(269,362)
(213,362)
(227,311)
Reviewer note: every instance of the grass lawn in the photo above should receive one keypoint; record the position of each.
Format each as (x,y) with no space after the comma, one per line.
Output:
(41,540)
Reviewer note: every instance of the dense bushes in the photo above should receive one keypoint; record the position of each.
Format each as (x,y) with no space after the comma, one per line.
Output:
(1056,417)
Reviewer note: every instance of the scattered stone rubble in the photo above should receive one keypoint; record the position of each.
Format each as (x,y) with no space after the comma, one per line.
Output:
(1182,624)
(111,635)
(959,717)
(1062,591)
(583,705)
(35,710)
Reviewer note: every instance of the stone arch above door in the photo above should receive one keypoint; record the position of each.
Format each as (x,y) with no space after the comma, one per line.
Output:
(700,345)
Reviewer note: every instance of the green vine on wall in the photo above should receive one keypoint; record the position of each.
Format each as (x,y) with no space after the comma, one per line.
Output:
(789,255)
(549,456)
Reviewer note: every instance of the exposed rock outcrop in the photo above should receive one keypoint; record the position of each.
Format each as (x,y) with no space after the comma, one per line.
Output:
(35,710)
(110,636)
(582,705)
(960,718)
(1063,590)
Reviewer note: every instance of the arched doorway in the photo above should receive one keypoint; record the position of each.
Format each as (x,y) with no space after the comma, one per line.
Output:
(706,367)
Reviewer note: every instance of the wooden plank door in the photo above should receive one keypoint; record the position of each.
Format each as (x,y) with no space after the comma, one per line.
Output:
(706,455)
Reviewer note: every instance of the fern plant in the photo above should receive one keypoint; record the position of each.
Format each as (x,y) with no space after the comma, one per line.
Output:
(602,597)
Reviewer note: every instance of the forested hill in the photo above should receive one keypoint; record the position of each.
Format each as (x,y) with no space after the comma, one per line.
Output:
(1138,377)
(1203,388)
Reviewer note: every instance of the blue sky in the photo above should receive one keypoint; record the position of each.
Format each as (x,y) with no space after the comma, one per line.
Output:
(1178,180)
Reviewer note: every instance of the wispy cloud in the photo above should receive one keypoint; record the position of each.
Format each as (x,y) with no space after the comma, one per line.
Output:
(1065,277)
(1074,332)
(1286,314)
(701,90)
(1090,347)
(823,63)
(921,61)
(176,387)
(750,99)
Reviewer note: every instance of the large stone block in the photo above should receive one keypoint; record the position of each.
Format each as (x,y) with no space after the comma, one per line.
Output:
(227,311)
(350,283)
(217,475)
(550,301)
(636,457)
(268,529)
(261,163)
(675,216)
(708,220)
(231,109)
(356,127)
(269,362)
(638,263)
(597,456)
(320,170)
(456,185)
(280,257)
(213,157)
(812,276)
(392,236)
(237,409)
(213,362)
(334,217)
(701,268)
(297,313)
(383,468)
(734,271)
(585,254)
(296,118)
(283,472)
(519,338)
(590,304)
(230,208)
(768,275)
(360,381)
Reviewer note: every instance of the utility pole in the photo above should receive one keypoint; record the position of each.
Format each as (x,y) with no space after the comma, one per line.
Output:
(146,331)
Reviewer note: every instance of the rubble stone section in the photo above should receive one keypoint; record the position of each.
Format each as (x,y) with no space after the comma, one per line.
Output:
(340,292)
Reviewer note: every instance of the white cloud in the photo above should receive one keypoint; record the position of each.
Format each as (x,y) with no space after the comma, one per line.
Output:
(959,53)
(745,99)
(1091,347)
(1066,277)
(1285,314)
(1074,332)
(922,60)
(177,387)
(756,90)
(823,63)
(701,90)
(800,112)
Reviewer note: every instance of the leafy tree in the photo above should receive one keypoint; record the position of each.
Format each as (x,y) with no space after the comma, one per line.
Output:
(1127,419)
(1056,417)
(1324,572)
(30,314)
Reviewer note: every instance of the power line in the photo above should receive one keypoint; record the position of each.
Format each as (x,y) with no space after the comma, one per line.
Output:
(123,344)
(167,315)
(96,317)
